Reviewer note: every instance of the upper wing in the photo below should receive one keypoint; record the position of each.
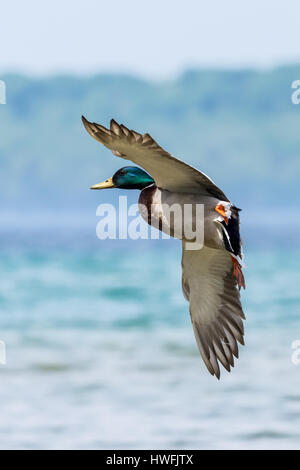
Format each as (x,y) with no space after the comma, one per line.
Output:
(168,172)
(216,312)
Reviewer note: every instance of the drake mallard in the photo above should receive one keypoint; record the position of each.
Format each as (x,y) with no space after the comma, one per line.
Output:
(212,276)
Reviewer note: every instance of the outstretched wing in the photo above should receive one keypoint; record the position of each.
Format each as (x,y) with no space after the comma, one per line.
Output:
(168,172)
(216,312)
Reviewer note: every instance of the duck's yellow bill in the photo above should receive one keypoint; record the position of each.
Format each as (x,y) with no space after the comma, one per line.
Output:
(105,184)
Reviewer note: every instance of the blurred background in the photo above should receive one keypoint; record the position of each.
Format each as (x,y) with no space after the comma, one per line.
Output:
(100,348)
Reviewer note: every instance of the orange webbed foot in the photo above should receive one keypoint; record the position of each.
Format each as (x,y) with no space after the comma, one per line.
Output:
(221,210)
(238,273)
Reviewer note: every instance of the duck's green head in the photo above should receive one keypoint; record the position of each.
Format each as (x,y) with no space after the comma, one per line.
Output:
(129,177)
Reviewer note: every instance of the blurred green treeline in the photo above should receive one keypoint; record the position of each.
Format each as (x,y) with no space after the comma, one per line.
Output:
(239,127)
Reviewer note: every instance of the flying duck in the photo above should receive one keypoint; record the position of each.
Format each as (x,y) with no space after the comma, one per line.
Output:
(211,276)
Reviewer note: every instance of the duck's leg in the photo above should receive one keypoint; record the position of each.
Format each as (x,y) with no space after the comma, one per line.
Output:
(221,210)
(238,273)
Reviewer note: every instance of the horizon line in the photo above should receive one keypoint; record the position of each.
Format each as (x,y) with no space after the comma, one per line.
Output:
(148,76)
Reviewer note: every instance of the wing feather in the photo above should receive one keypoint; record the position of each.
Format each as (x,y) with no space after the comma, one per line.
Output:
(215,307)
(168,172)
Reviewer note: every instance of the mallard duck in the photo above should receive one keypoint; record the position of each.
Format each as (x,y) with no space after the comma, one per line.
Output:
(211,276)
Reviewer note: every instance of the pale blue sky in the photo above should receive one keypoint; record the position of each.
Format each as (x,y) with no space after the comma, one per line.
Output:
(156,38)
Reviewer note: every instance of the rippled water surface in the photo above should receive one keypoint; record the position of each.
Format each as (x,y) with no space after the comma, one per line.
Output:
(101,353)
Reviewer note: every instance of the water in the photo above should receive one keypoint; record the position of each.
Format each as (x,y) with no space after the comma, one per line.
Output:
(101,353)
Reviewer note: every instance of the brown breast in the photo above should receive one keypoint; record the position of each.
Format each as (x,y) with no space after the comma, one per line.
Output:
(145,202)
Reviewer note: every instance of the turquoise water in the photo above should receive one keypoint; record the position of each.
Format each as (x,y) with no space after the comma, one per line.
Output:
(101,353)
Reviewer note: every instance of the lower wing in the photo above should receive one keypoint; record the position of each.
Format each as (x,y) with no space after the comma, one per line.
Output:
(216,311)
